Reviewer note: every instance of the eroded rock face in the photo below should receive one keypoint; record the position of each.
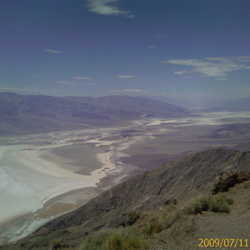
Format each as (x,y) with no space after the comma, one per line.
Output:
(229,179)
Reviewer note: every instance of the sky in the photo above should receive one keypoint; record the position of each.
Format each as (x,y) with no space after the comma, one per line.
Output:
(196,50)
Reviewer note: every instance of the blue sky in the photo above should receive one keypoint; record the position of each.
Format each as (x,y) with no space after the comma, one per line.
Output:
(180,49)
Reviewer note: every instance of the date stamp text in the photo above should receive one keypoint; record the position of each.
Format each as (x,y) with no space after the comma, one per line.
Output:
(223,243)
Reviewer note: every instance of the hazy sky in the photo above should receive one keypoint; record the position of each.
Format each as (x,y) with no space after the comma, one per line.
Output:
(198,49)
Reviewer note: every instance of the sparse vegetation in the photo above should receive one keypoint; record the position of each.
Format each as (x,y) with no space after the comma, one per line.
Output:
(163,219)
(132,217)
(41,241)
(58,244)
(140,225)
(96,240)
(115,242)
(214,203)
(184,229)
(115,239)
(153,226)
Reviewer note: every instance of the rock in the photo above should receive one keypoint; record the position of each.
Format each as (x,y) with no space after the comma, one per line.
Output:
(229,179)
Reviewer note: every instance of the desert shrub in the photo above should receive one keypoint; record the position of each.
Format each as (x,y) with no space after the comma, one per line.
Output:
(205,202)
(120,241)
(135,243)
(58,244)
(194,207)
(199,204)
(97,240)
(214,203)
(182,230)
(40,241)
(115,242)
(219,203)
(169,217)
(132,217)
(153,226)
(132,238)
(162,219)
(127,238)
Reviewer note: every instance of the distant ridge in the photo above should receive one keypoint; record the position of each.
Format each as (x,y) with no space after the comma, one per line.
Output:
(181,179)
(240,104)
(20,114)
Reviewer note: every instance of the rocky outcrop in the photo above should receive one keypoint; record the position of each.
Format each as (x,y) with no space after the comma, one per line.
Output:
(229,179)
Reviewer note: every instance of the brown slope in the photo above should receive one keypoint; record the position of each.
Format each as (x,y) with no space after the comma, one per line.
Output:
(180,179)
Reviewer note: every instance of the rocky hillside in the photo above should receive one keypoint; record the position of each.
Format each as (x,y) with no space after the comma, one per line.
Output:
(140,201)
(21,114)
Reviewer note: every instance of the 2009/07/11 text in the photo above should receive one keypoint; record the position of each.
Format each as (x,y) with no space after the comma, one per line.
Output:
(222,243)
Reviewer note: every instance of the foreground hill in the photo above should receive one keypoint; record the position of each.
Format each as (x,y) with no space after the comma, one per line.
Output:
(21,114)
(157,204)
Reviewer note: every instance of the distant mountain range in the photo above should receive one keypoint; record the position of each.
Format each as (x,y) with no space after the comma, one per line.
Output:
(20,114)
(144,199)
(241,104)
(237,104)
